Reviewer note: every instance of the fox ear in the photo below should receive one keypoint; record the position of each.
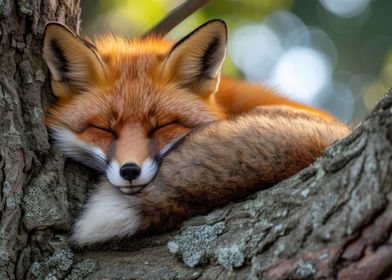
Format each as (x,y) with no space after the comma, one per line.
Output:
(195,61)
(72,61)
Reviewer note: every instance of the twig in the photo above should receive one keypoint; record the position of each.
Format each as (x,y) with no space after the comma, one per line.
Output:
(175,17)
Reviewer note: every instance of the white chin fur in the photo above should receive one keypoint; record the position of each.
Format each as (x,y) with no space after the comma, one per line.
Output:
(108,214)
(149,169)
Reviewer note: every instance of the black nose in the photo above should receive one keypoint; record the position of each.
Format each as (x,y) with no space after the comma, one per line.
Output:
(130,171)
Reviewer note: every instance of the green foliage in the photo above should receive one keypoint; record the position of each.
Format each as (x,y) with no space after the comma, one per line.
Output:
(132,18)
(362,42)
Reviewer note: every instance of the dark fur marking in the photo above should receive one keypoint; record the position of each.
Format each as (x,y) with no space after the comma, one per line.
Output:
(210,58)
(63,63)
(93,161)
(194,32)
(89,159)
(158,158)
(87,43)
(92,48)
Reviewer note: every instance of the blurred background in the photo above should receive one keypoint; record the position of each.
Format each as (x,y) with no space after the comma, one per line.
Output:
(333,54)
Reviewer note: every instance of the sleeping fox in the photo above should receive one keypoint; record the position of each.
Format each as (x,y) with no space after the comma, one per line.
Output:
(124,106)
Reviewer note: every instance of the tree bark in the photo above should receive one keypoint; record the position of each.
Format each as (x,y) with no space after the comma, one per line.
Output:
(332,220)
(33,186)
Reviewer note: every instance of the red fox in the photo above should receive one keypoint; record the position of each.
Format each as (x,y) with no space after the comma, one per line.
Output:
(124,105)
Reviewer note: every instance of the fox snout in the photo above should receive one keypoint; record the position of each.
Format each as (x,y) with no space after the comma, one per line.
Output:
(130,171)
(131,176)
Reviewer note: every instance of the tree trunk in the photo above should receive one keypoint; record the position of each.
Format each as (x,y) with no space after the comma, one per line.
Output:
(332,220)
(34,190)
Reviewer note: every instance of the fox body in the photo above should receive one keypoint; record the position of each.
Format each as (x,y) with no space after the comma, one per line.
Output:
(124,105)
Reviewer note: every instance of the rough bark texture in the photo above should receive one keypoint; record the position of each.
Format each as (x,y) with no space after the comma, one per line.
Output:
(332,220)
(34,205)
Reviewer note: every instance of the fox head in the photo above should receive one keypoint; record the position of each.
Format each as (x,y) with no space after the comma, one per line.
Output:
(123,103)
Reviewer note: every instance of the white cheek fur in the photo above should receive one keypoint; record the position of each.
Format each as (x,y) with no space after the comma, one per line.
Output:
(78,150)
(113,175)
(149,169)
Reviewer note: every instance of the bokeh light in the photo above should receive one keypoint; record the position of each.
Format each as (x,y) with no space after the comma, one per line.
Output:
(284,53)
(255,50)
(345,8)
(302,72)
(333,54)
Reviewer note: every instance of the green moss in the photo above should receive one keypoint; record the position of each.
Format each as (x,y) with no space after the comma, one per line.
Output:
(36,269)
(255,269)
(4,257)
(305,193)
(279,229)
(4,275)
(320,173)
(10,203)
(39,75)
(55,266)
(26,6)
(193,243)
(322,209)
(305,269)
(5,8)
(43,206)
(82,270)
(253,207)
(230,257)
(263,224)
(280,248)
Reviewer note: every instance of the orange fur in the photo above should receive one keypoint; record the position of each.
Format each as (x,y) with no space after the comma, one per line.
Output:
(123,103)
(125,83)
(239,96)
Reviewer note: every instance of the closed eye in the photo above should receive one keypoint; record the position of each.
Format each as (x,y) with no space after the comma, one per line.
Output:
(158,127)
(109,130)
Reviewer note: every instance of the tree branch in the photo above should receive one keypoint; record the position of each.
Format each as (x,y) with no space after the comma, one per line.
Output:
(175,17)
